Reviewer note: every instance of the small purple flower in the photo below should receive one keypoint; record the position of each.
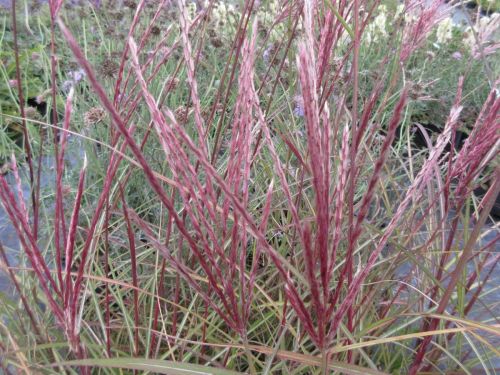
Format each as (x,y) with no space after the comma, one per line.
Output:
(298,110)
(74,77)
(457,55)
(78,75)
(267,54)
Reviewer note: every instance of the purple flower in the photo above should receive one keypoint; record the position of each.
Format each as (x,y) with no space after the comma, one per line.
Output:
(298,110)
(267,54)
(74,77)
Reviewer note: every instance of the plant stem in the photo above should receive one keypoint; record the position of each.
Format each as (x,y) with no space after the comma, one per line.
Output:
(27,144)
(324,362)
(249,356)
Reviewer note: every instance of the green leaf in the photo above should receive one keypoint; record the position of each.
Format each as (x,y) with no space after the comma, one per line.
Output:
(154,365)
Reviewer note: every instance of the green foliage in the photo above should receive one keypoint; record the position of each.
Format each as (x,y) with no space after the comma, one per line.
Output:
(186,334)
(489,5)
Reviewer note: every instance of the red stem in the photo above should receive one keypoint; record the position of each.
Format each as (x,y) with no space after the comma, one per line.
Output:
(133,263)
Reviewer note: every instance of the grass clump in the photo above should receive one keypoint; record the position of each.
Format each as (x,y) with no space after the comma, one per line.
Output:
(258,187)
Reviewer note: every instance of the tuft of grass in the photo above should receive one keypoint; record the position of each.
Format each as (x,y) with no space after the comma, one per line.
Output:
(252,196)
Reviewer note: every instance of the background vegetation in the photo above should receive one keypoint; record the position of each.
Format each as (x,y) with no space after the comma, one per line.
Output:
(255,187)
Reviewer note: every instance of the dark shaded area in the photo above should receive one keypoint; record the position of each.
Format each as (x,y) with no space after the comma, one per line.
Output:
(40,107)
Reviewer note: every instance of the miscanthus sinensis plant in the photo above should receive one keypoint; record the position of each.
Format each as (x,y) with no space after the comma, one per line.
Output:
(251,198)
